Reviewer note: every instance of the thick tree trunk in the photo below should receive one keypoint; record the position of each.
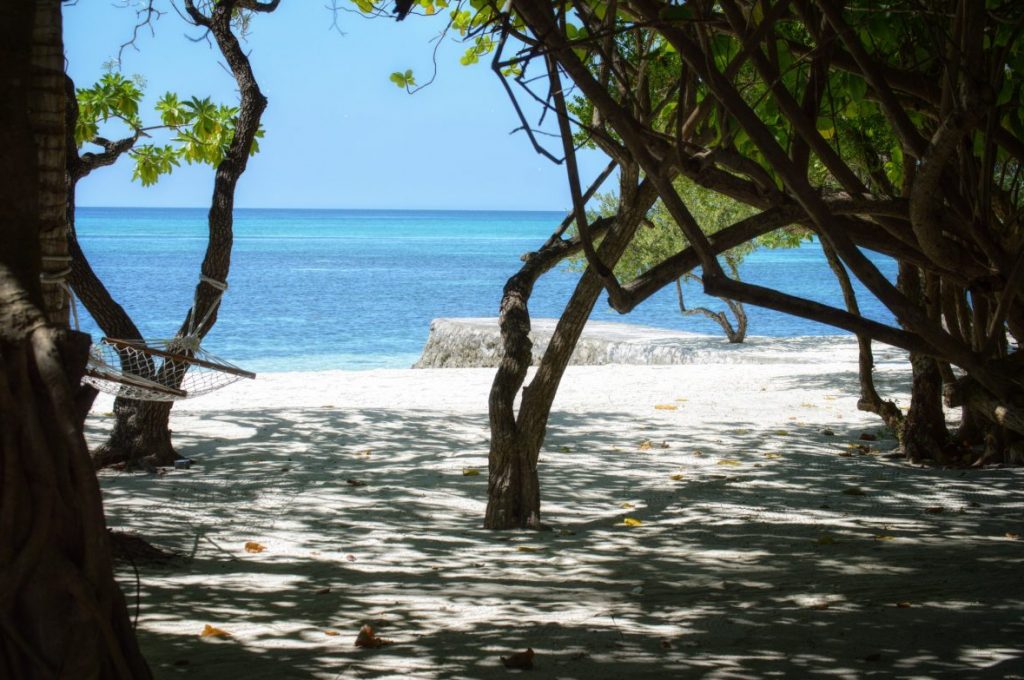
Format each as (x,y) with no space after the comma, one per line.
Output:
(924,435)
(61,612)
(141,435)
(46,94)
(513,494)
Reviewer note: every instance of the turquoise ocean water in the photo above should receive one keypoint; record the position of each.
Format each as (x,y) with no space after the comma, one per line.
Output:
(356,289)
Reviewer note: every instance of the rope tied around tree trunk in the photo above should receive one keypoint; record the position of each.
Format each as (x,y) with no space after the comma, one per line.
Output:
(191,339)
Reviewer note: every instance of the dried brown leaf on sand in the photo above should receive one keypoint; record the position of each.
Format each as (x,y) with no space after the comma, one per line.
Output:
(212,631)
(519,660)
(368,638)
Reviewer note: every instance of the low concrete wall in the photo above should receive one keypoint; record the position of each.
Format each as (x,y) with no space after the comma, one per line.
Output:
(476,342)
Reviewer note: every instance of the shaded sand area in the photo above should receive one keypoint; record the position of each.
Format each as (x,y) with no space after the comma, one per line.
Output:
(772,540)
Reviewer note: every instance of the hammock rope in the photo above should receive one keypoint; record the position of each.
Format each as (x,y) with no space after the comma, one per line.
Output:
(161,369)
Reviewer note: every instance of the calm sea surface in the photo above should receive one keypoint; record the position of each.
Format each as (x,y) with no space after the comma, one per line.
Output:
(353,289)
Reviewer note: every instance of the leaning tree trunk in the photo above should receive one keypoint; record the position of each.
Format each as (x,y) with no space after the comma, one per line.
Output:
(869,401)
(151,438)
(513,492)
(141,432)
(62,614)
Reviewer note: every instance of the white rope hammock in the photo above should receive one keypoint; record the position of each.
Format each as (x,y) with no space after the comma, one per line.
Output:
(160,370)
(156,370)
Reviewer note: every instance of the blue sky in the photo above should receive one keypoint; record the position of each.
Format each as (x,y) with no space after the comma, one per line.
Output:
(339,134)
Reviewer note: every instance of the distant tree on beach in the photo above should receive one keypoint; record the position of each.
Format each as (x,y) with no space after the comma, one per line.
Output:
(62,613)
(889,128)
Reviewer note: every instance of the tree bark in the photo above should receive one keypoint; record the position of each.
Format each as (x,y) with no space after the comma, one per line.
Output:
(46,98)
(62,614)
(924,435)
(513,493)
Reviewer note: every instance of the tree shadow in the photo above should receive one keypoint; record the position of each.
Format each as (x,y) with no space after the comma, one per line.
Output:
(758,553)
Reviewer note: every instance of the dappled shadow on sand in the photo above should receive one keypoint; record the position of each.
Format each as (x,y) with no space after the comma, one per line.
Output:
(760,553)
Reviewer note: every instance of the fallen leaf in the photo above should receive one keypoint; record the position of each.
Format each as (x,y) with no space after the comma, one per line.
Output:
(682,399)
(821,606)
(332,633)
(773,455)
(365,453)
(528,549)
(627,506)
(883,537)
(519,660)
(665,407)
(470,472)
(565,449)
(868,437)
(368,638)
(665,643)
(1012,535)
(782,433)
(646,445)
(254,547)
(676,478)
(728,461)
(632,522)
(903,605)
(936,510)
(210,631)
(350,557)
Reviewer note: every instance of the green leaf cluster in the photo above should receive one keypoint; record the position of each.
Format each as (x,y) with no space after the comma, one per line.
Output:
(202,129)
(404,80)
(113,97)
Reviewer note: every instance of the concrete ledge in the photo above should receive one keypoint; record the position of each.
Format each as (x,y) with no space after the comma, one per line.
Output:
(475,342)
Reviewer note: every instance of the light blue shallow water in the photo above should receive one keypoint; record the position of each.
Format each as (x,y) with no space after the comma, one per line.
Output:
(351,289)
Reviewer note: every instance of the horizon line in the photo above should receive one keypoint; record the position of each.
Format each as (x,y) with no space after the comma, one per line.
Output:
(206,207)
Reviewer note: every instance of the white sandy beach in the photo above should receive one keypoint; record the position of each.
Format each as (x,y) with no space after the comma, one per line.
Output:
(773,541)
